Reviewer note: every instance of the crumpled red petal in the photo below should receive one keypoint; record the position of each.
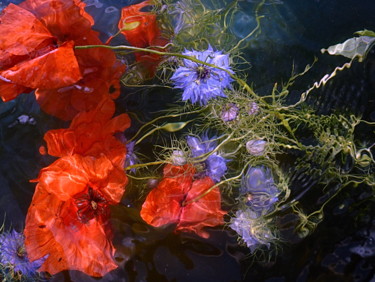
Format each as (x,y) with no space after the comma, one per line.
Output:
(78,172)
(74,80)
(10,91)
(205,211)
(57,68)
(21,33)
(52,229)
(163,204)
(141,30)
(65,19)
(166,203)
(91,133)
(82,6)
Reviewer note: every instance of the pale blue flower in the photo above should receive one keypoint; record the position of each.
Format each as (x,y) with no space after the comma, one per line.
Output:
(252,230)
(259,189)
(256,147)
(178,157)
(230,112)
(214,165)
(131,157)
(253,108)
(13,254)
(201,82)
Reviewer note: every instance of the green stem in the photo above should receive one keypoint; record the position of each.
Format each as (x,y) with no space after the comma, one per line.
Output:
(144,165)
(152,51)
(185,203)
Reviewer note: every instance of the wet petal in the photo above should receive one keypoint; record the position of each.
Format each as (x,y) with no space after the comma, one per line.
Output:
(163,204)
(21,33)
(63,18)
(205,211)
(52,229)
(57,68)
(9,91)
(139,28)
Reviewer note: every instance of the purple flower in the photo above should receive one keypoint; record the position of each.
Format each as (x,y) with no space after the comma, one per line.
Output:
(252,230)
(260,190)
(13,254)
(214,165)
(230,112)
(201,82)
(256,147)
(131,157)
(253,108)
(178,157)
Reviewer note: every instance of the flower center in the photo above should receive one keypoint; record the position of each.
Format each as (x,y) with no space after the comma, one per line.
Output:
(203,73)
(21,252)
(94,205)
(90,204)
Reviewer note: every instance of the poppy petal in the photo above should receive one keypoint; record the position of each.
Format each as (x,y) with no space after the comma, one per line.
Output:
(55,69)
(203,212)
(91,133)
(163,204)
(139,28)
(9,91)
(63,18)
(52,229)
(21,33)
(65,172)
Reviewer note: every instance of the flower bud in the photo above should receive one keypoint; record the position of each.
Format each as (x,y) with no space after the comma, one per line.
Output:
(256,147)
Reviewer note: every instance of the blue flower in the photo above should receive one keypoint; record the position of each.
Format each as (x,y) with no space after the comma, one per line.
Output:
(256,147)
(230,112)
(131,157)
(260,190)
(253,108)
(214,165)
(252,230)
(201,82)
(13,254)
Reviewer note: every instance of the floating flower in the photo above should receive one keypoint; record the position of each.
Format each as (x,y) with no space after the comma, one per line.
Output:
(91,133)
(178,157)
(252,230)
(142,30)
(256,147)
(260,190)
(131,157)
(179,199)
(230,112)
(199,81)
(68,217)
(253,108)
(37,52)
(214,164)
(13,254)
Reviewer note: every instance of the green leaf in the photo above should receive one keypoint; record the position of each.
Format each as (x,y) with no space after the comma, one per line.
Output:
(174,126)
(352,48)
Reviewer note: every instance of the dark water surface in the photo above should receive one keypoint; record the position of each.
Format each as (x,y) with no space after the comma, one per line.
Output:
(341,248)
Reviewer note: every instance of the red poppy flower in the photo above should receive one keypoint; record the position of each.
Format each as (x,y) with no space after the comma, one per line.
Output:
(82,6)
(68,217)
(166,203)
(37,40)
(141,30)
(91,134)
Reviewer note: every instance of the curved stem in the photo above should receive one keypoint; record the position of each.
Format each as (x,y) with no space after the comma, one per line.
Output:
(152,51)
